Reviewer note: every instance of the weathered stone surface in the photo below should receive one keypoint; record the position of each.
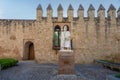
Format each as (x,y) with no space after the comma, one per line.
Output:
(65,77)
(66,62)
(92,37)
(29,70)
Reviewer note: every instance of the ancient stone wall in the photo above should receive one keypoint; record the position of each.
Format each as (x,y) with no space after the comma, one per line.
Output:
(92,37)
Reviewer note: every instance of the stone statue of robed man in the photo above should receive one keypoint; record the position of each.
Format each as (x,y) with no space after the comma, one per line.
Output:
(65,39)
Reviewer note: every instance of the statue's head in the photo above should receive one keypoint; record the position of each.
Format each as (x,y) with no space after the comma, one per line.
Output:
(66,28)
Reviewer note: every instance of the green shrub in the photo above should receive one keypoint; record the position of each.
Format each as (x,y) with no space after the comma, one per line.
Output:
(106,61)
(117,75)
(8,62)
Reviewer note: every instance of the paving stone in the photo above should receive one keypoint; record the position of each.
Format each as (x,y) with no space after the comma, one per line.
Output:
(33,71)
(64,77)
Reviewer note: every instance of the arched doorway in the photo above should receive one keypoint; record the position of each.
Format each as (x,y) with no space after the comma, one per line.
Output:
(28,51)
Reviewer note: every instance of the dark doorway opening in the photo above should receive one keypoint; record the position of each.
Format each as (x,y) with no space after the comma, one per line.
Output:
(28,51)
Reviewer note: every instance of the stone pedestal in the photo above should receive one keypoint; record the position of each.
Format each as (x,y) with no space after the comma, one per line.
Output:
(66,62)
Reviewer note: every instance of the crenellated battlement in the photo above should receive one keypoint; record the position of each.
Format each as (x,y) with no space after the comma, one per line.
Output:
(111,13)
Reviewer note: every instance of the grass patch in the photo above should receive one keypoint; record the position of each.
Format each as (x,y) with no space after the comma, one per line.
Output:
(117,75)
(107,61)
(7,62)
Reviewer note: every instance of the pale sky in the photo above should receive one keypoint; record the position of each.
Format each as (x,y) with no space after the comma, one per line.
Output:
(26,9)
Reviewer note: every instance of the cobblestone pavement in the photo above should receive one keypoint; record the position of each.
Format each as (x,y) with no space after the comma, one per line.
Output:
(29,70)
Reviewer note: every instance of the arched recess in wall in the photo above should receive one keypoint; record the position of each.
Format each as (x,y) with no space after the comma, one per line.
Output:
(56,37)
(28,53)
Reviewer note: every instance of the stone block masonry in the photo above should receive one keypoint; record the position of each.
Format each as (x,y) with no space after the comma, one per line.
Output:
(92,37)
